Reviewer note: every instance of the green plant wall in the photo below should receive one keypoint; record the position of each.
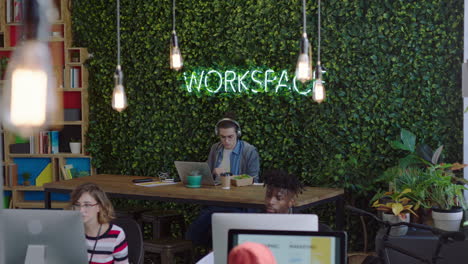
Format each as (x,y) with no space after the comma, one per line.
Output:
(390,65)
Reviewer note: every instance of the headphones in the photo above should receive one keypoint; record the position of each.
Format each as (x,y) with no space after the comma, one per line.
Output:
(238,128)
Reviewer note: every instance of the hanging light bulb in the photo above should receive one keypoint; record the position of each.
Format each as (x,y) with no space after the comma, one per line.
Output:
(319,89)
(119,99)
(304,67)
(175,59)
(30,100)
(176,56)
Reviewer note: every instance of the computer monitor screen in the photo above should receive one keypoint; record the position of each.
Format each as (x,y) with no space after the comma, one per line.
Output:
(298,247)
(61,232)
(223,222)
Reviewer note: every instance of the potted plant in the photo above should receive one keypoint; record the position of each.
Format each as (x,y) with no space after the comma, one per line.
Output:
(26,177)
(446,197)
(75,146)
(434,184)
(396,207)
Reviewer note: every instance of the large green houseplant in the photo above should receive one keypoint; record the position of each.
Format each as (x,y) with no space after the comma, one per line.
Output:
(433,184)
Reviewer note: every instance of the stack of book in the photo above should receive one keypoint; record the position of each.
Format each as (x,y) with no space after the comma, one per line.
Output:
(45,142)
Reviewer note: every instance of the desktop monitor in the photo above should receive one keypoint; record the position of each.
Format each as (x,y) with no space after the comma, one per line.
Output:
(55,234)
(298,247)
(223,222)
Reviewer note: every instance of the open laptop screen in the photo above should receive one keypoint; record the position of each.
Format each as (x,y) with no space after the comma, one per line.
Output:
(298,247)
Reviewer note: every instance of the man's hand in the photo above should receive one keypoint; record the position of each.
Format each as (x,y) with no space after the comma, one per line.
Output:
(218,171)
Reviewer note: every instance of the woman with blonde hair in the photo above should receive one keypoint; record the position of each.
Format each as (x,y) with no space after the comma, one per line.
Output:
(106,242)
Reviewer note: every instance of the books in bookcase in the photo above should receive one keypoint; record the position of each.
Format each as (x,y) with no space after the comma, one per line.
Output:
(11,175)
(66,171)
(45,142)
(14,11)
(75,77)
(55,141)
(48,142)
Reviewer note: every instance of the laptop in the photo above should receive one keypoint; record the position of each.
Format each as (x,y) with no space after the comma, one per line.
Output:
(223,222)
(185,168)
(298,247)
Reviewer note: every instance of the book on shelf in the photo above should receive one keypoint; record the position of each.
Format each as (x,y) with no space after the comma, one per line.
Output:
(18,10)
(6,177)
(63,172)
(12,175)
(67,171)
(55,141)
(74,77)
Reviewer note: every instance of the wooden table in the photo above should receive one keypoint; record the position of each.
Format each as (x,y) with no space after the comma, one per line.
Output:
(252,196)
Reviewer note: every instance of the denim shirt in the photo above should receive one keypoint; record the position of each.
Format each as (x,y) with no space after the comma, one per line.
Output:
(234,159)
(244,159)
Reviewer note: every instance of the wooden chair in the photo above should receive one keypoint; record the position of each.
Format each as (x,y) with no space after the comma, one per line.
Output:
(163,241)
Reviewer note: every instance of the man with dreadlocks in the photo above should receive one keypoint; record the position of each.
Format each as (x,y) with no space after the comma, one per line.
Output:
(281,191)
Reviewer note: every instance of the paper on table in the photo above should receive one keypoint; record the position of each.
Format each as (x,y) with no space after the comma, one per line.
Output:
(154,183)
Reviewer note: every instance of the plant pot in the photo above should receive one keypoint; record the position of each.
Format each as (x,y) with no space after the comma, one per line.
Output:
(26,183)
(75,147)
(448,220)
(393,219)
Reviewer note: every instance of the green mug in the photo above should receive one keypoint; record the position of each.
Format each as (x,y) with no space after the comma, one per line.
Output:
(194,180)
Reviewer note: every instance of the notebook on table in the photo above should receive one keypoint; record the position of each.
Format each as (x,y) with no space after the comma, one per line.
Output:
(298,247)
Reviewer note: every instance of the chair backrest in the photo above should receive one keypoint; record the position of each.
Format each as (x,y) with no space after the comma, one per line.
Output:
(134,239)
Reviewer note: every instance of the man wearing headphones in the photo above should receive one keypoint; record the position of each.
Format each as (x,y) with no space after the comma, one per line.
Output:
(229,155)
(232,154)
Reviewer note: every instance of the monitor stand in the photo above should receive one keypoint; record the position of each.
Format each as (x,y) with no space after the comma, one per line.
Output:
(35,254)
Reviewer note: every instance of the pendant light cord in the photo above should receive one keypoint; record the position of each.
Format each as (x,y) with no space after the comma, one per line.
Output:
(173,15)
(303,16)
(118,32)
(318,48)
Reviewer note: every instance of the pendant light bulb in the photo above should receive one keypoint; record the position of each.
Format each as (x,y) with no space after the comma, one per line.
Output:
(304,67)
(119,99)
(176,61)
(319,88)
(30,101)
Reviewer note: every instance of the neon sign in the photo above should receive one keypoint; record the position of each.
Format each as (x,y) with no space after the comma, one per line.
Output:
(211,81)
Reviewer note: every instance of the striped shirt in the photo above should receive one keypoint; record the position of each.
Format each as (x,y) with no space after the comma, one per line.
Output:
(111,247)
